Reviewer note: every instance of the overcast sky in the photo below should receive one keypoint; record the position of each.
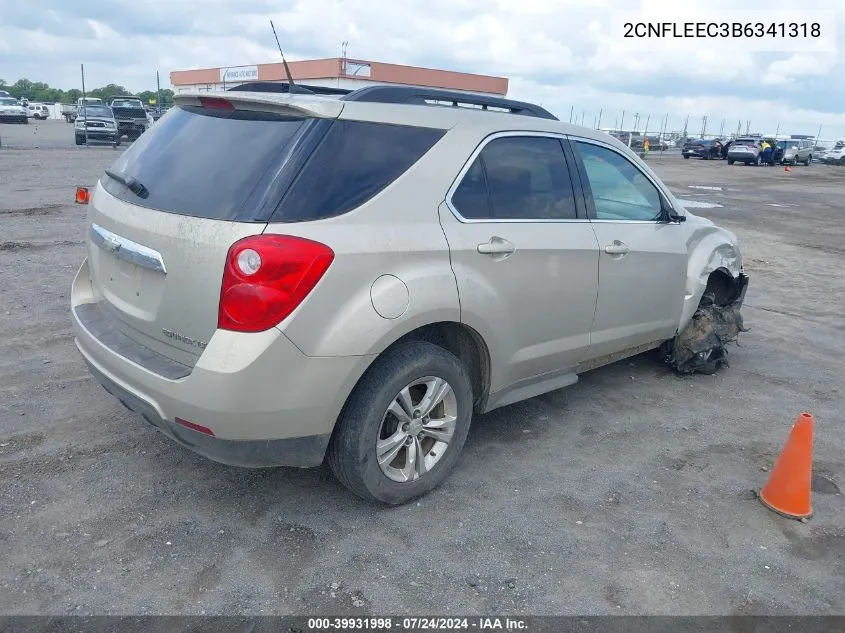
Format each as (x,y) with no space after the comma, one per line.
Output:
(560,53)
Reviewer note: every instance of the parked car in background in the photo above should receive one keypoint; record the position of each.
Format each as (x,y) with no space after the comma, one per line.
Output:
(792,152)
(745,150)
(11,111)
(822,149)
(835,156)
(657,145)
(69,111)
(707,149)
(97,124)
(250,290)
(132,117)
(37,111)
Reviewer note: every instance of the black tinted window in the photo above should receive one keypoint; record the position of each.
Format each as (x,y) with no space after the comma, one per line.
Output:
(620,191)
(528,179)
(521,178)
(470,198)
(354,162)
(204,162)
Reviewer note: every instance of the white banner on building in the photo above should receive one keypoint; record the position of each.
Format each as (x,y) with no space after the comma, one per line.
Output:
(239,73)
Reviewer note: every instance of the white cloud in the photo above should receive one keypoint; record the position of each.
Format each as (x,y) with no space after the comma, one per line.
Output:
(787,71)
(561,52)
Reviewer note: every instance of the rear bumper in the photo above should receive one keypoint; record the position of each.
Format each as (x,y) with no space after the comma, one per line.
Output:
(302,452)
(266,402)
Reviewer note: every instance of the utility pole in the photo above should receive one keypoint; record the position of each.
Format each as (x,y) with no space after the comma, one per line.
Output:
(686,125)
(583,114)
(722,129)
(703,125)
(748,127)
(622,123)
(571,112)
(818,135)
(158,93)
(777,129)
(599,123)
(84,103)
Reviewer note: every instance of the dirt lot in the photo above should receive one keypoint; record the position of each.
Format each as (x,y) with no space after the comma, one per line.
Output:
(627,493)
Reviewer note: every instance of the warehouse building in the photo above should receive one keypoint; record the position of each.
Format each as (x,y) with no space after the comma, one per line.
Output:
(337,72)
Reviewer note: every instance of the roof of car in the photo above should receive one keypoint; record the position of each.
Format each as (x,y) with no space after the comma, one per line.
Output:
(430,115)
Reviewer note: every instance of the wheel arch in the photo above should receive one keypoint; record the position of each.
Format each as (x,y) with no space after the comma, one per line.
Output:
(714,263)
(461,340)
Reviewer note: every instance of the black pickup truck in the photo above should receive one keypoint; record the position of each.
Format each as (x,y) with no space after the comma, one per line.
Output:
(131,116)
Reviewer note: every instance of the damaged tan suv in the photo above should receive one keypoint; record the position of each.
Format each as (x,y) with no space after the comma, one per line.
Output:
(278,279)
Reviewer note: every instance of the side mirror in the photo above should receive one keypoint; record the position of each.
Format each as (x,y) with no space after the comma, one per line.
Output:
(669,213)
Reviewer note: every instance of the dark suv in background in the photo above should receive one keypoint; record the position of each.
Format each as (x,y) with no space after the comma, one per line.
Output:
(702,148)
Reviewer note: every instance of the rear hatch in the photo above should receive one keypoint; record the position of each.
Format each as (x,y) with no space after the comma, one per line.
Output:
(205,176)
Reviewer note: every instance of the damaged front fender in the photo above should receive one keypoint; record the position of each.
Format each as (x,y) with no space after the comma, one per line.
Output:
(700,347)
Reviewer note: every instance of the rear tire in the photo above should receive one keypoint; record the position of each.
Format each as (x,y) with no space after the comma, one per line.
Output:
(730,161)
(80,141)
(686,157)
(368,418)
(808,161)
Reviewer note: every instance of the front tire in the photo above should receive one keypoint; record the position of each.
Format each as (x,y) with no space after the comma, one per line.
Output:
(730,161)
(404,425)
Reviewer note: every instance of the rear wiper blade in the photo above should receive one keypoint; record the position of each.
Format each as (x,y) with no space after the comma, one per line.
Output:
(133,184)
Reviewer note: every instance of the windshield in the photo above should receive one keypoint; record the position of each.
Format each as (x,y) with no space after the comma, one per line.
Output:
(7,101)
(126,103)
(95,111)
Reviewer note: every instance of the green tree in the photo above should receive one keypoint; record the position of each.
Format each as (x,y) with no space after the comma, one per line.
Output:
(107,93)
(72,95)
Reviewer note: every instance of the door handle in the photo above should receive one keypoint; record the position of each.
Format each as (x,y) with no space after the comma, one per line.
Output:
(496,246)
(617,248)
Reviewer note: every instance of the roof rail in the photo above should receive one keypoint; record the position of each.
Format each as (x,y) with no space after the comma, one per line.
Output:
(273,86)
(419,95)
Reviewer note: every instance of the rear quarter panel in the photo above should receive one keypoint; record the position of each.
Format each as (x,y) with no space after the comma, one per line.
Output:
(398,234)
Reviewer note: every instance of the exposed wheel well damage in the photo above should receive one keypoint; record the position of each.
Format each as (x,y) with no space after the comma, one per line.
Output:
(467,345)
(717,321)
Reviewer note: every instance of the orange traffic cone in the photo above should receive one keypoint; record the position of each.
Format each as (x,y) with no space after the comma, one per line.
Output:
(787,168)
(788,490)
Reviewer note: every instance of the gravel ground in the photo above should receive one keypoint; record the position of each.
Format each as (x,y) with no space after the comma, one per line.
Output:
(628,493)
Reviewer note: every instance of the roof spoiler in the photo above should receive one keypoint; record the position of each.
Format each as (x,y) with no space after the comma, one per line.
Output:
(272,86)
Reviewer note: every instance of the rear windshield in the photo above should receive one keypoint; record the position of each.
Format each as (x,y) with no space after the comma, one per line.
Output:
(252,166)
(203,162)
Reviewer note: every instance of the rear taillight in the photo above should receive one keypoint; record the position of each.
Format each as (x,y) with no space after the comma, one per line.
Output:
(266,278)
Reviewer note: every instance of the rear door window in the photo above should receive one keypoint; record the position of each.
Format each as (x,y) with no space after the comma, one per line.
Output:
(517,178)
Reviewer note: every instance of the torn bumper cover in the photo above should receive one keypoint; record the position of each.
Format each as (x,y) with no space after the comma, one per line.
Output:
(701,346)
